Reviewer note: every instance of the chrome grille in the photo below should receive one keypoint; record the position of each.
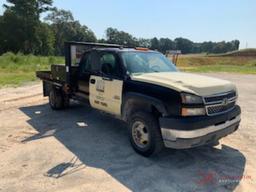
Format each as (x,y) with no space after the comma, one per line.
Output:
(215,109)
(220,97)
(221,103)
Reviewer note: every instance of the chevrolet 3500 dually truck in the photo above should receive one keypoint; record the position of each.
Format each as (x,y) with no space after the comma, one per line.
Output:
(162,106)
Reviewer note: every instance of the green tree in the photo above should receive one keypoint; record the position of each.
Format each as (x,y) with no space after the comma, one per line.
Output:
(11,35)
(102,41)
(144,42)
(65,28)
(207,47)
(184,45)
(154,44)
(220,47)
(45,40)
(120,37)
(166,44)
(24,17)
(235,44)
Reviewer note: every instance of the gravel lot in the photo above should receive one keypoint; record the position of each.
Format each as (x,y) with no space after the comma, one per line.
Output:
(81,149)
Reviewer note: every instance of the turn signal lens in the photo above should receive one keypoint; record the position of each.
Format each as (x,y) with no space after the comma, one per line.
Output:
(192,111)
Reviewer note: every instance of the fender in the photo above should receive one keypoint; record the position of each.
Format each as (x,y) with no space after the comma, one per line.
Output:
(133,97)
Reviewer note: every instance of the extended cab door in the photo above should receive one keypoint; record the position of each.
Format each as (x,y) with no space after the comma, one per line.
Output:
(106,89)
(87,67)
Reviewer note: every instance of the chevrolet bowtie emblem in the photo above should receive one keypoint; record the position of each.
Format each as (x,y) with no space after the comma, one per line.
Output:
(225,101)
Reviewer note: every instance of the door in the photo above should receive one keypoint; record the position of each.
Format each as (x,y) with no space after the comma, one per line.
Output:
(87,67)
(106,89)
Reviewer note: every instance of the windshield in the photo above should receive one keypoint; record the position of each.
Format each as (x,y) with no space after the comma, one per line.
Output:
(146,62)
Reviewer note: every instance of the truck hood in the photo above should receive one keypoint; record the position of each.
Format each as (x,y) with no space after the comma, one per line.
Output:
(186,82)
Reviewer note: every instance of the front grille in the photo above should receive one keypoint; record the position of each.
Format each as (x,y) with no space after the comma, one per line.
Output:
(216,109)
(220,97)
(221,103)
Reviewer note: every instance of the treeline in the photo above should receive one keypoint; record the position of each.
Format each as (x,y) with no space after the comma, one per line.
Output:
(22,30)
(164,44)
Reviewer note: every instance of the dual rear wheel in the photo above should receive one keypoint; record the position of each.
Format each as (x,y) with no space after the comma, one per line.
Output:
(58,99)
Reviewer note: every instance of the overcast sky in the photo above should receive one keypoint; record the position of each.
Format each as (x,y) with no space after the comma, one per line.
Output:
(197,20)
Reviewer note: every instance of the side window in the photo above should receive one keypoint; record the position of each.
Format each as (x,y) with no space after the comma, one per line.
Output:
(109,64)
(84,62)
(88,63)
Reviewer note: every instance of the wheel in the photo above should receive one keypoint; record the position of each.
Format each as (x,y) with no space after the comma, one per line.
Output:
(145,135)
(57,99)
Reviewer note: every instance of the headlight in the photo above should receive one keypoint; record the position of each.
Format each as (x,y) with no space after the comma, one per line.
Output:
(191,99)
(192,111)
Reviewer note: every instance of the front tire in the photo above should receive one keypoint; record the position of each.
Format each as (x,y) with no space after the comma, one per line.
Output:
(145,135)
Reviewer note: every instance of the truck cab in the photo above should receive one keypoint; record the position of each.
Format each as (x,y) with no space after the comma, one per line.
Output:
(162,106)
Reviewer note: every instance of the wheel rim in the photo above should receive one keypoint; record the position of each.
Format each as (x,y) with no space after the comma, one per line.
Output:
(140,134)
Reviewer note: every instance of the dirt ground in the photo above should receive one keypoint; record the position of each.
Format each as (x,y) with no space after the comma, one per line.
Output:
(80,149)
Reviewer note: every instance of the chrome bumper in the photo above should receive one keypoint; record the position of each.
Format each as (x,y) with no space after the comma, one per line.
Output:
(181,139)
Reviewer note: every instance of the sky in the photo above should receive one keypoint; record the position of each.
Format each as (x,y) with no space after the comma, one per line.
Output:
(197,20)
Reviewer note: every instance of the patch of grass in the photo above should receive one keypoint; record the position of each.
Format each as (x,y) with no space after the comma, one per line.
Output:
(16,69)
(205,60)
(221,68)
(16,79)
(204,63)
(242,52)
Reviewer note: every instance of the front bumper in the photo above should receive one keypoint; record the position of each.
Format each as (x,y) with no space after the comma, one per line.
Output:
(188,132)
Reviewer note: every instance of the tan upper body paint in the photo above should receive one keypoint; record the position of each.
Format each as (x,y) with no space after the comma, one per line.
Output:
(187,82)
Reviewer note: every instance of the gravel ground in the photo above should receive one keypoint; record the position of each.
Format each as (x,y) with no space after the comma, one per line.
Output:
(81,149)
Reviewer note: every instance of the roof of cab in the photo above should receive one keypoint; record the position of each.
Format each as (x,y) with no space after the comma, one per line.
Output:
(107,47)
